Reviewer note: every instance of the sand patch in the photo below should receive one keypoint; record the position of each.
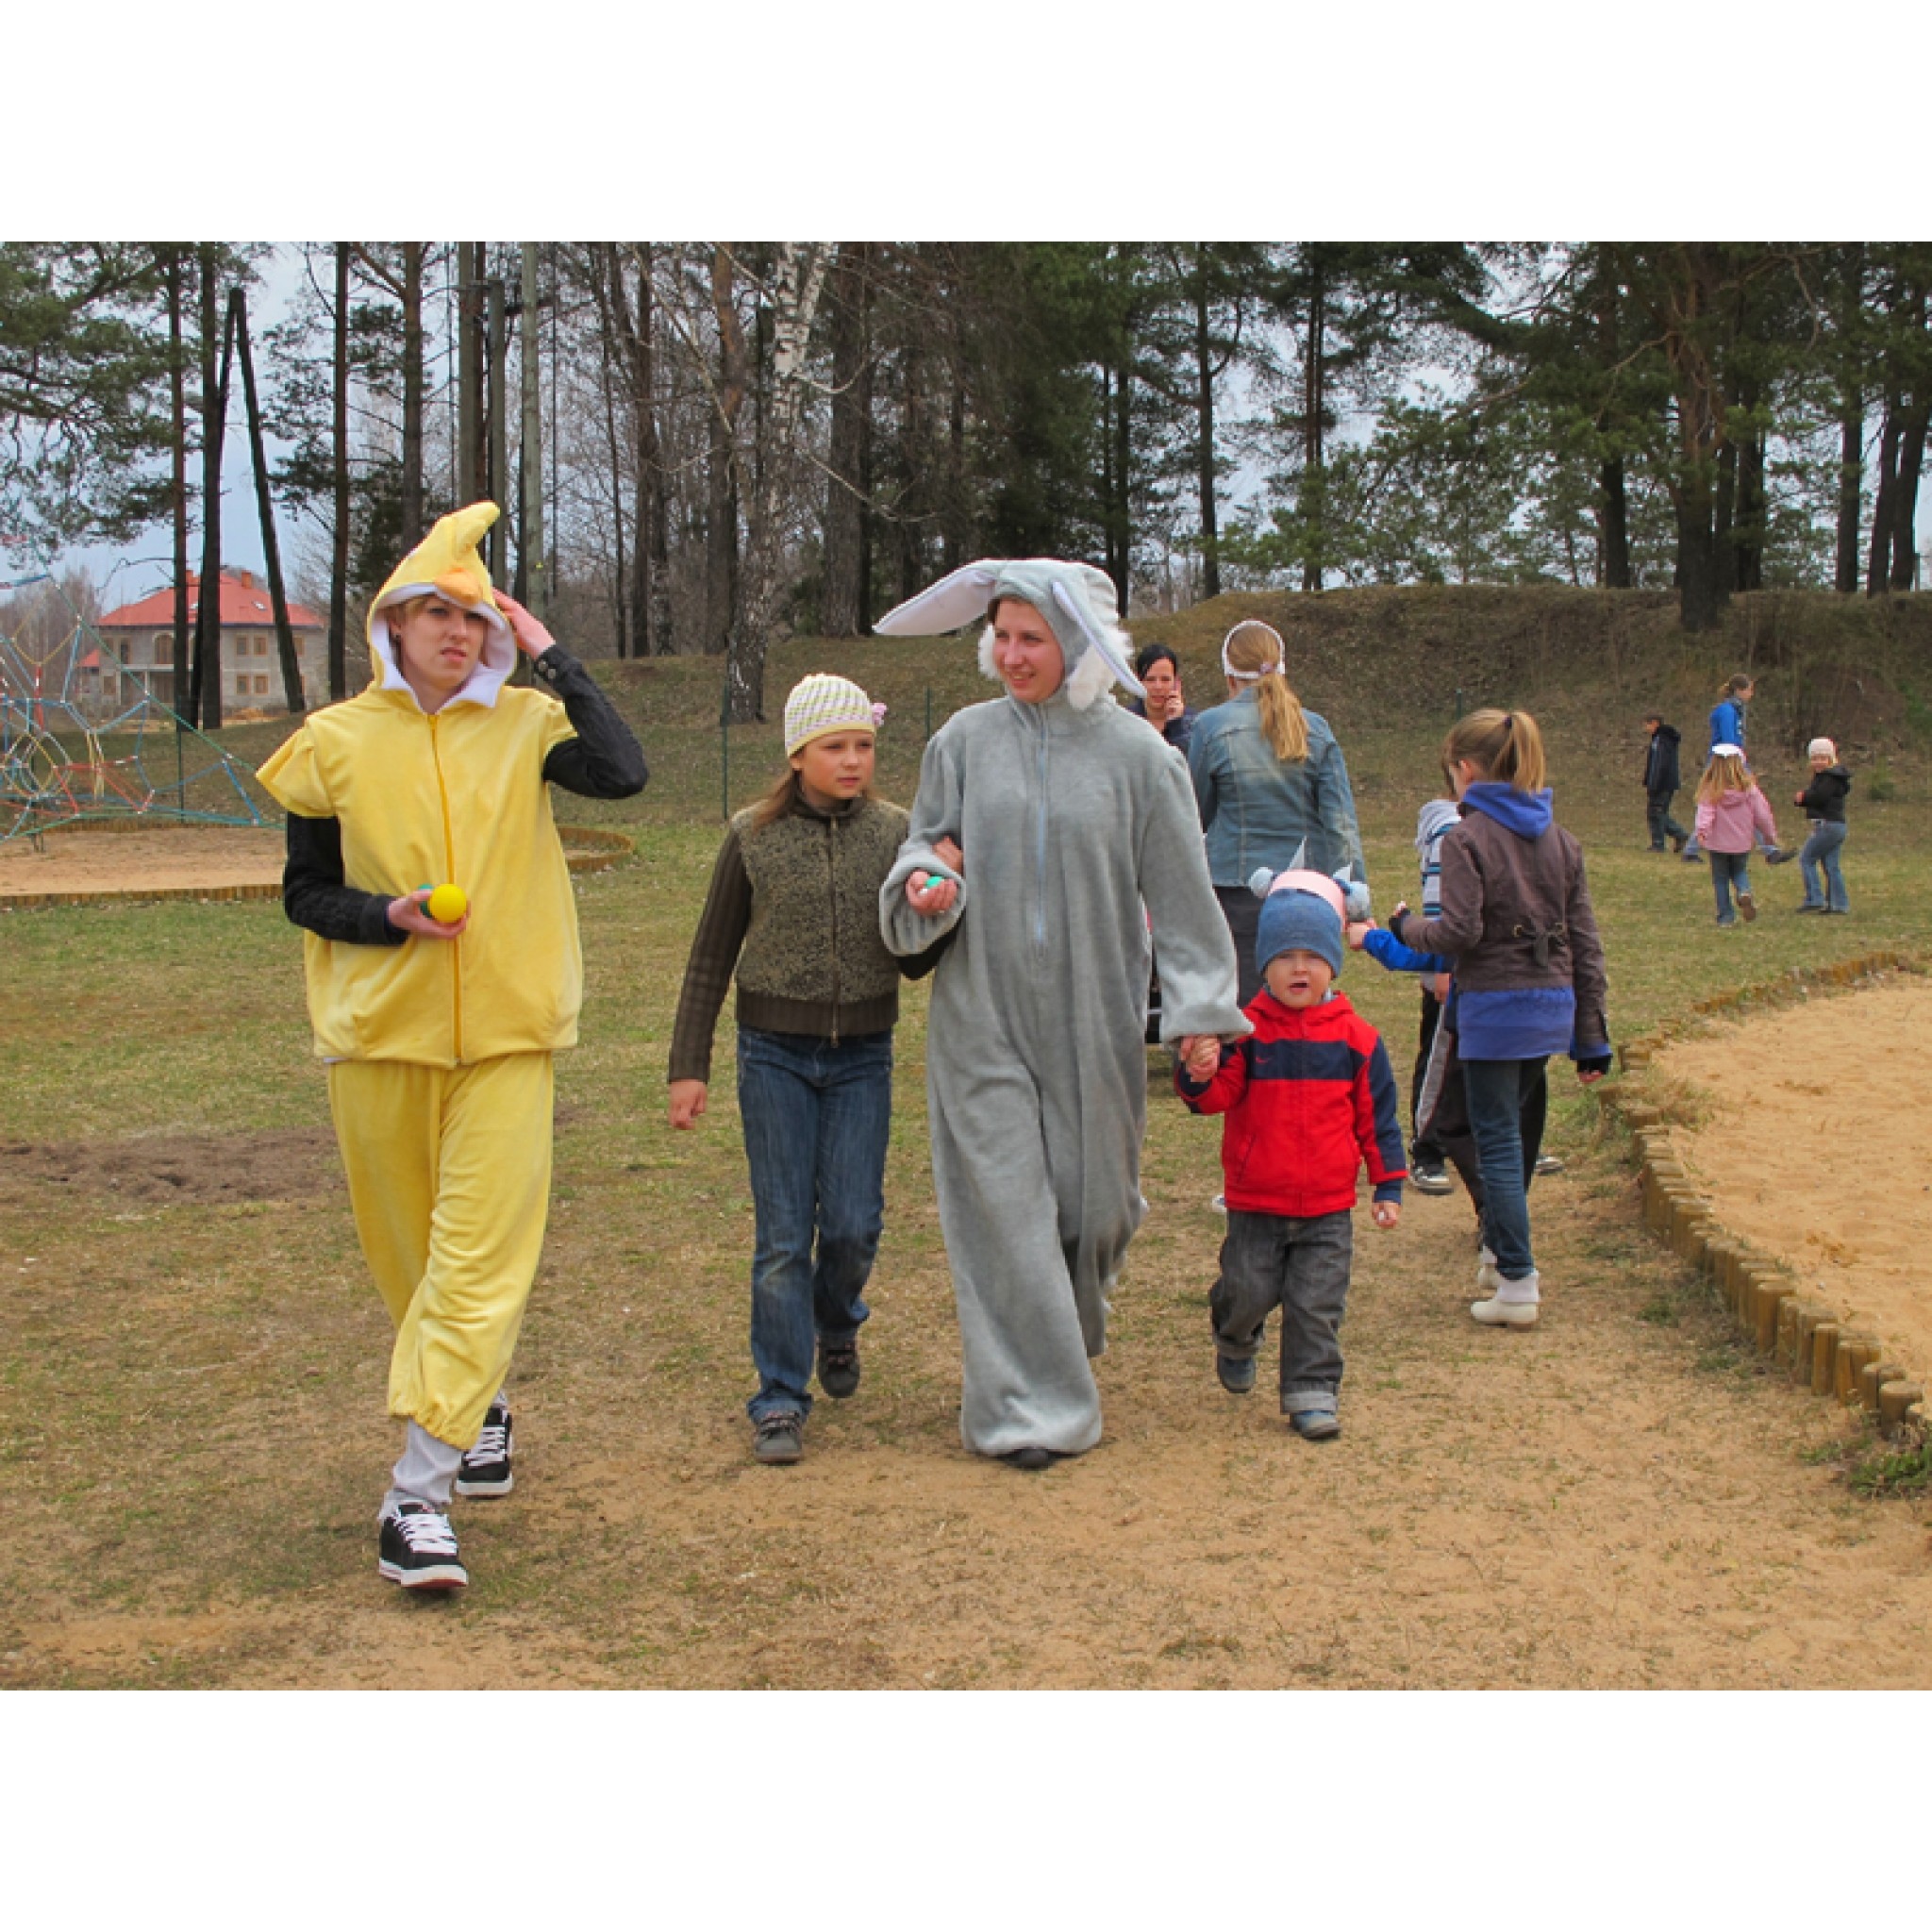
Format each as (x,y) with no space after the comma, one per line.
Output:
(1815,1142)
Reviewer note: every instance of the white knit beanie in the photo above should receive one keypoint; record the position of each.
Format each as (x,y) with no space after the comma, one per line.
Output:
(821,704)
(1821,748)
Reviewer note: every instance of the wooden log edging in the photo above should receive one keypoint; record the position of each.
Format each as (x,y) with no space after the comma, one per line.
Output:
(596,850)
(586,849)
(1809,1339)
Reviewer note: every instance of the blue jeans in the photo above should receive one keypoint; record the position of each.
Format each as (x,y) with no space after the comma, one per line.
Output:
(816,1120)
(1820,850)
(1499,1094)
(1725,868)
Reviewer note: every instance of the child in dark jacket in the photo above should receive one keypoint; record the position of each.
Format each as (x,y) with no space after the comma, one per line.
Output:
(1529,975)
(1661,781)
(1822,802)
(1309,1097)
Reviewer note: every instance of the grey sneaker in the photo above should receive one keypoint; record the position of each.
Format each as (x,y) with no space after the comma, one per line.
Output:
(779,1438)
(1430,1178)
(839,1368)
(1029,1457)
(1549,1163)
(1236,1372)
(1315,1424)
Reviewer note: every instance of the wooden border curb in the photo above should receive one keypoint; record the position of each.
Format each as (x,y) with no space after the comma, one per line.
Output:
(1807,1338)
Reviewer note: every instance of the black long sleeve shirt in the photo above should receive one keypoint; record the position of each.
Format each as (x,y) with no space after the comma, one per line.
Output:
(603,761)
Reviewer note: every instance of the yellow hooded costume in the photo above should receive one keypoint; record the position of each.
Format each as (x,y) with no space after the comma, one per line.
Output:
(439,1073)
(421,797)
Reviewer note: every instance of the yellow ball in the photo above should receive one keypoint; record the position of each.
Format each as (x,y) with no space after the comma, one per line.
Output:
(448,903)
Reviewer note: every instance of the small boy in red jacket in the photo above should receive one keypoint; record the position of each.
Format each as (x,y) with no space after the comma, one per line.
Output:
(1309,1097)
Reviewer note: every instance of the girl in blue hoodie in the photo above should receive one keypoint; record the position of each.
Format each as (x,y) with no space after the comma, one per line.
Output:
(1529,974)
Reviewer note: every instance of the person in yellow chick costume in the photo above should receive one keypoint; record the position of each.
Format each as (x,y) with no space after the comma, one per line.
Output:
(439,1035)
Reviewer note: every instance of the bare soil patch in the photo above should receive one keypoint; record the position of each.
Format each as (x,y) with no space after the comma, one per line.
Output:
(1814,1140)
(276,1164)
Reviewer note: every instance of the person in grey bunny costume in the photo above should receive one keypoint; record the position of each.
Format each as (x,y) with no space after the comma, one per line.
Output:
(1066,817)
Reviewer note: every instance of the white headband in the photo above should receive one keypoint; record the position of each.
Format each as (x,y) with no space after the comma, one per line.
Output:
(1253,677)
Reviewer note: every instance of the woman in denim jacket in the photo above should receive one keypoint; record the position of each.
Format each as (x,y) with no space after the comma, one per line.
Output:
(1272,786)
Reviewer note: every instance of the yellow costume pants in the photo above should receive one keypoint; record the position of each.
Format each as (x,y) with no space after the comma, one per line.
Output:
(449,1178)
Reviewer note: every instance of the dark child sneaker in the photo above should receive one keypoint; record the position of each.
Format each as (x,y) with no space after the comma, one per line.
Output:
(1029,1457)
(485,1469)
(1315,1424)
(1747,906)
(1430,1178)
(838,1369)
(1236,1372)
(418,1549)
(778,1437)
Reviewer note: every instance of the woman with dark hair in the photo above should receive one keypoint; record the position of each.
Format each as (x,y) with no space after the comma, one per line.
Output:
(1271,786)
(1160,671)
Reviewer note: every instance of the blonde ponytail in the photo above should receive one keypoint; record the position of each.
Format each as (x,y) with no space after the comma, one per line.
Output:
(1253,653)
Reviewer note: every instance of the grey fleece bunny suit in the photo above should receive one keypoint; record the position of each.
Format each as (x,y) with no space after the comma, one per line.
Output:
(1070,816)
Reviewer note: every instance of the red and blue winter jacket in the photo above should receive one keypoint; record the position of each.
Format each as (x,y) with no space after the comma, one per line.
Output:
(1310,1096)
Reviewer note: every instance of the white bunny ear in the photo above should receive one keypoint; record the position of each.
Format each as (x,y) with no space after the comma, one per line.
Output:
(955,601)
(1099,638)
(1259,880)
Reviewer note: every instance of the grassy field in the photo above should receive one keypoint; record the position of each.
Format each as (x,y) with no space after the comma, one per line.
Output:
(192,1362)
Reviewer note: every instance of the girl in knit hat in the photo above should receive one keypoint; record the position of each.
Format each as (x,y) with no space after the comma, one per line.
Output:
(1822,802)
(794,910)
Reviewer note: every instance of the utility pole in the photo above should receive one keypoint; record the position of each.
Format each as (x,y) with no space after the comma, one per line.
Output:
(499,461)
(469,482)
(530,533)
(271,548)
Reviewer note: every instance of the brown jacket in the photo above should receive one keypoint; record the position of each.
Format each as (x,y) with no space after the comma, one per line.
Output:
(1516,914)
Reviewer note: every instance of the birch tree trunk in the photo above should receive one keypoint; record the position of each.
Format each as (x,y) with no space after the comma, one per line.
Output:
(797,282)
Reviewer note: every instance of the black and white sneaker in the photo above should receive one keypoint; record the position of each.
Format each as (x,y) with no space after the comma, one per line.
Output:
(1429,1177)
(486,1468)
(419,1549)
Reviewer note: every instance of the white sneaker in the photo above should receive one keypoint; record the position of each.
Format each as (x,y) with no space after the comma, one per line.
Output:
(1519,1311)
(1219,1204)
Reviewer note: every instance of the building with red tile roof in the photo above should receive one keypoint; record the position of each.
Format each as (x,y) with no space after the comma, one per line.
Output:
(141,636)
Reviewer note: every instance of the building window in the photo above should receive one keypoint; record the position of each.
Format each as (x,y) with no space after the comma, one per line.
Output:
(261,686)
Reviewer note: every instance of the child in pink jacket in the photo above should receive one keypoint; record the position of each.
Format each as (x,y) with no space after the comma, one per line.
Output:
(1731,811)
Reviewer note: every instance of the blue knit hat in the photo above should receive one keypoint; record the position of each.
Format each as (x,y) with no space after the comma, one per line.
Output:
(1294,920)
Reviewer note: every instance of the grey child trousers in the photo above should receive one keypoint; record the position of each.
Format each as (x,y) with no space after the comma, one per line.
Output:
(1301,1267)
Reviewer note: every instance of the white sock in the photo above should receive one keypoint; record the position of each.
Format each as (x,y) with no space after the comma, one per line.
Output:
(425,1471)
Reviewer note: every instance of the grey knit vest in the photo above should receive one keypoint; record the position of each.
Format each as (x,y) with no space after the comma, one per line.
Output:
(797,865)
